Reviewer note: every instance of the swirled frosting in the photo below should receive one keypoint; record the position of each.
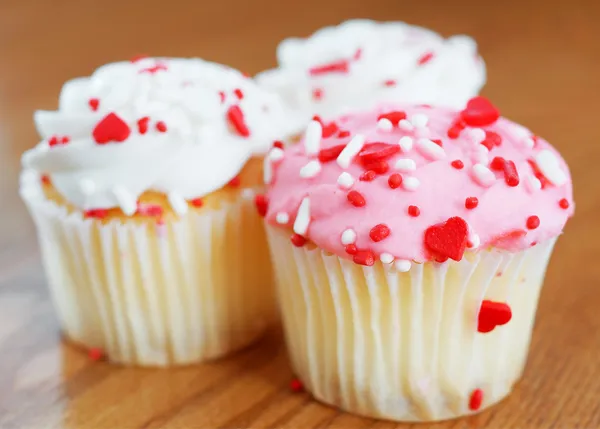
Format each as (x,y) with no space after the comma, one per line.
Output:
(182,127)
(361,63)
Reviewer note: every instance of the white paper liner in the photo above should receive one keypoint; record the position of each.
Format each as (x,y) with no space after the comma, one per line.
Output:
(184,292)
(405,346)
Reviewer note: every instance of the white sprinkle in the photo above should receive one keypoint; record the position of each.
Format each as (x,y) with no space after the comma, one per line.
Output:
(476,135)
(351,150)
(483,175)
(302,217)
(548,164)
(247,193)
(480,155)
(345,180)
(126,200)
(267,171)
(405,125)
(312,137)
(430,150)
(386,258)
(528,142)
(406,143)
(410,183)
(348,237)
(402,265)
(385,124)
(282,218)
(311,169)
(87,186)
(276,154)
(532,183)
(419,120)
(405,165)
(178,203)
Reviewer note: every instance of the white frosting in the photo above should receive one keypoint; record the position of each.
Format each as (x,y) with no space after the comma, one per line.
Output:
(375,53)
(199,152)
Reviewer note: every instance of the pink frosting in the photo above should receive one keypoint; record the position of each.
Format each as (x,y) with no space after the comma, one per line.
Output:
(504,216)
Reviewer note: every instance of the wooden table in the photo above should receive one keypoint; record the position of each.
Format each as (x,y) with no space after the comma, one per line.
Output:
(543,60)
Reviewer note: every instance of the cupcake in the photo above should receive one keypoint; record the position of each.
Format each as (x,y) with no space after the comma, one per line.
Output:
(142,191)
(409,258)
(361,63)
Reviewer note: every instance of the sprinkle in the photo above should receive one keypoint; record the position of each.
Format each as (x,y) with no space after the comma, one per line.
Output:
(497,163)
(312,137)
(302,217)
(379,232)
(87,186)
(385,125)
(367,176)
(476,399)
(95,213)
(235,182)
(343,134)
(351,249)
(161,127)
(126,200)
(394,117)
(419,120)
(111,129)
(448,239)
(331,153)
(329,129)
(298,240)
(379,167)
(480,112)
(483,175)
(357,54)
(262,204)
(548,164)
(311,169)
(296,385)
(154,69)
(394,181)
(377,151)
(275,154)
(471,203)
(491,140)
(356,199)
(53,141)
(492,314)
(528,142)
(564,203)
(345,180)
(406,144)
(142,124)
(222,96)
(406,125)
(178,203)
(348,236)
(389,83)
(94,104)
(278,144)
(533,222)
(402,265)
(425,58)
(458,164)
(511,176)
(238,93)
(386,258)
(430,150)
(95,354)
(351,150)
(236,117)
(197,202)
(364,257)
(532,183)
(341,66)
(414,211)
(149,210)
(317,94)
(410,183)
(405,165)
(46,179)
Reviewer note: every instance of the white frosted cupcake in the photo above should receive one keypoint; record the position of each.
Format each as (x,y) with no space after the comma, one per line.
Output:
(142,191)
(361,63)
(419,243)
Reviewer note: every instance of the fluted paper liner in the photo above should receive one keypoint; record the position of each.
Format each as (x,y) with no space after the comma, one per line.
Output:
(158,295)
(405,346)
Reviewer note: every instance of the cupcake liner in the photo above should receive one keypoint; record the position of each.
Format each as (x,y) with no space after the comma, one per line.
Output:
(157,295)
(405,346)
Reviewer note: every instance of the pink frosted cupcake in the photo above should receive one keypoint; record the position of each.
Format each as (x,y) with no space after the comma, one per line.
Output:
(419,241)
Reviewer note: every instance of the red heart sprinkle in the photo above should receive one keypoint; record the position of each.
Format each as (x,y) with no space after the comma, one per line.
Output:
(364,257)
(111,129)
(236,117)
(377,151)
(331,153)
(395,180)
(262,204)
(476,399)
(298,240)
(448,239)
(379,232)
(511,176)
(356,199)
(94,103)
(479,112)
(394,117)
(492,314)
(334,67)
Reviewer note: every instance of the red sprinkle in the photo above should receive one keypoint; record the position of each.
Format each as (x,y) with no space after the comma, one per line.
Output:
(480,112)
(149,209)
(46,179)
(511,176)
(357,54)
(491,140)
(497,163)
(331,153)
(471,203)
(96,213)
(356,199)
(492,314)
(367,176)
(351,249)
(296,385)
(111,129)
(238,93)
(395,180)
(222,96)
(334,67)
(154,69)
(538,174)
(564,203)
(329,129)
(364,257)
(379,167)
(96,354)
(414,211)
(343,134)
(476,399)
(456,128)
(437,142)
(236,117)
(298,240)
(533,222)
(448,239)
(94,103)
(278,144)
(379,232)
(425,58)
(143,124)
(458,164)
(161,126)
(377,151)
(53,141)
(235,182)
(197,202)
(262,204)
(394,117)
(317,94)
(390,82)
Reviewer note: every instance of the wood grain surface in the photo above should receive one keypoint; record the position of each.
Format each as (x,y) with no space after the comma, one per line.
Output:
(543,58)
